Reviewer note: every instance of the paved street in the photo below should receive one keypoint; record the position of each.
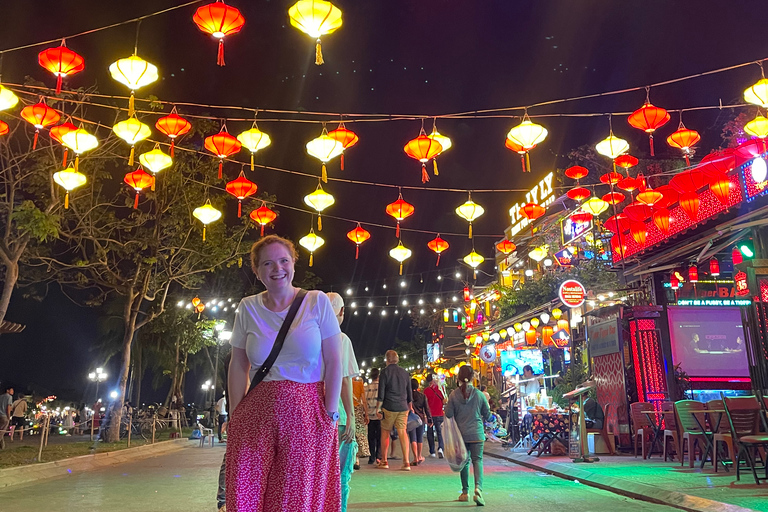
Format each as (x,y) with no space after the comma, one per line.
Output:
(185,481)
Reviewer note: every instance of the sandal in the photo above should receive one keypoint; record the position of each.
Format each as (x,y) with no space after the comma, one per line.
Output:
(382,465)
(405,467)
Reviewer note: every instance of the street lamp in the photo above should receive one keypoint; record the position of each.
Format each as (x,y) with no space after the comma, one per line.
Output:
(98,376)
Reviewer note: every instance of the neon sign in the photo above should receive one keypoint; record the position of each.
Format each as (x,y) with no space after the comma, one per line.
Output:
(542,194)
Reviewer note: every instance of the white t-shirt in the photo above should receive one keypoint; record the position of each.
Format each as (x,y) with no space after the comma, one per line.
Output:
(221,406)
(300,359)
(349,368)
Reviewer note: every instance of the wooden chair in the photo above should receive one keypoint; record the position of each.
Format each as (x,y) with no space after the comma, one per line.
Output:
(641,425)
(744,418)
(692,433)
(604,433)
(671,431)
(723,434)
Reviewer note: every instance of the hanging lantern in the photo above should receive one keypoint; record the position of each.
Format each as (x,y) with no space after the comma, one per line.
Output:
(689,181)
(40,116)
(674,282)
(400,209)
(513,146)
(535,322)
(757,127)
(527,135)
(617,223)
(138,180)
(758,170)
(4,129)
(241,187)
(347,138)
(721,188)
(438,245)
(649,196)
(263,216)
(595,206)
(612,147)
(315,18)
(581,217)
(324,148)
(206,214)
(173,125)
(79,141)
(649,118)
(618,246)
(562,325)
(689,202)
(196,302)
(445,142)
(693,273)
(611,178)
(518,327)
(505,247)
(613,197)
(133,72)
(530,337)
(577,172)
(155,160)
(219,20)
(714,267)
(532,211)
(311,242)
(57,132)
(222,145)
(319,200)
(69,179)
(736,256)
(638,231)
(557,313)
(254,140)
(61,61)
(423,149)
(684,139)
(538,253)
(473,260)
(400,253)
(626,161)
(669,196)
(358,236)
(132,131)
(546,335)
(661,220)
(578,193)
(470,211)
(638,211)
(628,184)
(758,93)
(8,98)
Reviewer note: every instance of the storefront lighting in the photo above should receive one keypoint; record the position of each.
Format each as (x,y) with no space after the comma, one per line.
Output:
(759,170)
(736,256)
(544,318)
(693,273)
(714,267)
(526,326)
(529,273)
(557,313)
(746,251)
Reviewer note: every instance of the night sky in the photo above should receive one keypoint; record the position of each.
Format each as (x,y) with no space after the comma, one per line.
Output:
(426,57)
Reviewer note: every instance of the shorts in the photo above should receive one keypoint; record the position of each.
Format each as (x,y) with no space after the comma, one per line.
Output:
(391,419)
(18,422)
(416,435)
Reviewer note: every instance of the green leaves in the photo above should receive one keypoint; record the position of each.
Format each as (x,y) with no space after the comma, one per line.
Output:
(29,219)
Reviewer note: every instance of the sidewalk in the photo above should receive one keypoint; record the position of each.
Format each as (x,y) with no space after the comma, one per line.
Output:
(652,480)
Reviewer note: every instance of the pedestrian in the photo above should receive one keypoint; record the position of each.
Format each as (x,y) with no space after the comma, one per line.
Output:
(221,410)
(282,449)
(374,419)
(436,399)
(361,415)
(486,394)
(68,419)
(18,416)
(416,436)
(221,492)
(469,408)
(6,399)
(394,402)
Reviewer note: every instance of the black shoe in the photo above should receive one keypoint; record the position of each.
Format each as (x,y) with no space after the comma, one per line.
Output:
(357,466)
(371,461)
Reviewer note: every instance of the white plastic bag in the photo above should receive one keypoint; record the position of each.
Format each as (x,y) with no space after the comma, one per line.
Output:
(455,449)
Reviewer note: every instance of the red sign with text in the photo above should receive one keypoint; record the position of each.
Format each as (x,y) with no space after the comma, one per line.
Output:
(572,293)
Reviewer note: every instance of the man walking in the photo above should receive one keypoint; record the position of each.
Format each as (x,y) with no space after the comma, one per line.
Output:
(18,414)
(6,399)
(221,410)
(374,424)
(394,401)
(435,399)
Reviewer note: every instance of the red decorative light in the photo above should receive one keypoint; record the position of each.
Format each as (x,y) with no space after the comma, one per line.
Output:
(626,161)
(721,187)
(532,211)
(578,193)
(638,211)
(61,61)
(138,180)
(736,256)
(423,149)
(611,178)
(639,232)
(57,132)
(714,267)
(505,247)
(674,282)
(619,248)
(628,184)
(241,188)
(222,145)
(466,294)
(741,284)
(4,128)
(648,118)
(649,196)
(577,172)
(684,139)
(348,138)
(219,20)
(613,197)
(530,336)
(400,210)
(358,236)
(617,223)
(718,162)
(693,273)
(438,245)
(263,215)
(581,217)
(173,125)
(689,181)
(661,220)
(689,202)
(517,148)
(669,196)
(40,116)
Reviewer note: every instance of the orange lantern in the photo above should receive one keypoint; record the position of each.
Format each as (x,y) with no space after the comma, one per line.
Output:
(639,231)
(173,125)
(57,132)
(348,138)
(649,119)
(4,129)
(505,247)
(721,187)
(358,236)
(562,325)
(423,149)
(532,211)
(196,302)
(649,196)
(138,180)
(219,20)
(222,145)
(618,246)
(241,188)
(40,116)
(263,215)
(546,335)
(530,337)
(578,193)
(684,139)
(438,245)
(613,197)
(61,61)
(661,219)
(400,210)
(626,161)
(689,202)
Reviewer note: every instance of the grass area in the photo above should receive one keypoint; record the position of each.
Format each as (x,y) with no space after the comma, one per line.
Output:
(22,455)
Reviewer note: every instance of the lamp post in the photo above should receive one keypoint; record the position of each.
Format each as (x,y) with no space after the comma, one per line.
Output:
(207,386)
(98,376)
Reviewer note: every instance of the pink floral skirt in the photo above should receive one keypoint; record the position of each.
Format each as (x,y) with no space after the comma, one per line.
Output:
(283,451)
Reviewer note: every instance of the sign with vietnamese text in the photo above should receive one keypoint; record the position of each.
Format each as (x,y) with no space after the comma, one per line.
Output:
(603,338)
(572,293)
(714,302)
(542,194)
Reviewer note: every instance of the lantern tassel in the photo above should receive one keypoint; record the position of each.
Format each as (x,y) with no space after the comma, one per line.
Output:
(357,251)
(397,230)
(240,262)
(319,222)
(239,209)
(325,174)
(58,85)
(262,229)
(130,157)
(173,145)
(66,201)
(66,152)
(220,55)
(650,140)
(527,162)
(77,161)
(34,141)
(424,175)
(470,230)
(522,161)
(131,105)
(311,259)
(342,160)
(319,53)
(203,233)
(152,187)
(474,274)
(252,168)
(221,167)
(434,165)
(687,160)
(136,201)
(401,268)
(438,259)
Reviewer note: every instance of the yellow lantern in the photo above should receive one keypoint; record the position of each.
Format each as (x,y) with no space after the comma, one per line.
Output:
(595,206)
(69,179)
(503,333)
(539,253)
(155,161)
(8,98)
(400,253)
(311,242)
(132,131)
(206,214)
(757,127)
(556,313)
(324,148)
(470,211)
(758,93)
(315,18)
(79,141)
(526,136)
(612,147)
(319,200)
(518,327)
(133,72)
(473,260)
(445,142)
(534,322)
(254,140)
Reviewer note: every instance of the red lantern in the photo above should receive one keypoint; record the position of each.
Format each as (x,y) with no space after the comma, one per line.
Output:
(618,247)
(684,139)
(423,149)
(581,217)
(628,184)
(611,178)
(138,180)
(689,181)
(613,197)
(4,128)
(719,162)
(219,20)
(617,223)
(579,193)
(263,215)
(661,219)
(669,196)
(649,119)
(639,232)
(58,131)
(638,211)
(736,256)
(689,202)
(173,125)
(577,172)
(61,61)
(241,188)
(674,282)
(348,138)
(532,211)
(400,210)
(222,145)
(517,148)
(693,273)
(714,267)
(505,247)
(438,245)
(721,187)
(358,236)
(40,116)
(626,161)
(649,196)
(530,336)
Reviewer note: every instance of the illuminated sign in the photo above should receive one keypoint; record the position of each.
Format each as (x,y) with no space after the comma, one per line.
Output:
(740,280)
(542,194)
(714,302)
(561,338)
(565,257)
(572,293)
(571,231)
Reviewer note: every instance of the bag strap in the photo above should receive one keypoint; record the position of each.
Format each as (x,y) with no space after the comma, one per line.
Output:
(264,370)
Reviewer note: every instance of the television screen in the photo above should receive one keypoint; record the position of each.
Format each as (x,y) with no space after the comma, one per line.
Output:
(433,352)
(512,362)
(708,342)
